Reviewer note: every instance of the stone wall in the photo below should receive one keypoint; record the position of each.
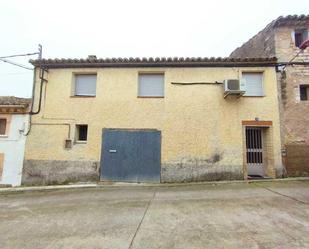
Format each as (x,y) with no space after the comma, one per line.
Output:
(297,160)
(294,113)
(295,120)
(261,45)
(285,44)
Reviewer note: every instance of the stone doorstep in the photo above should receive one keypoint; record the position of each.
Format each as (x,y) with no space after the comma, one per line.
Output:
(127,184)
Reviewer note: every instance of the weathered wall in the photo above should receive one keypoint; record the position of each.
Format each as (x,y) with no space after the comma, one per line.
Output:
(297,160)
(295,123)
(285,43)
(13,146)
(261,45)
(293,112)
(45,172)
(201,131)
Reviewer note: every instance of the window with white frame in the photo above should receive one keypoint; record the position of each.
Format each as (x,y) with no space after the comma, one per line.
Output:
(85,84)
(253,83)
(304,92)
(150,85)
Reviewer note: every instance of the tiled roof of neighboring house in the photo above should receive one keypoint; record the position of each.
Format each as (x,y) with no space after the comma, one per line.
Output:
(14,101)
(92,61)
(296,20)
(290,19)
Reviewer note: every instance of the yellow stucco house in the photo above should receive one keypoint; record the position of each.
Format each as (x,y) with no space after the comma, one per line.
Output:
(153,120)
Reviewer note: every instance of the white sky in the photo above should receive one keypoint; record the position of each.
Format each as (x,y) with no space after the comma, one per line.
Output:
(132,28)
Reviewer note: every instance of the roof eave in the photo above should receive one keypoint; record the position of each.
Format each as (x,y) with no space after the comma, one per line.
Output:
(158,64)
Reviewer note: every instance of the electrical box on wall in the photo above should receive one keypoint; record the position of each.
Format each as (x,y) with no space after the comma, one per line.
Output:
(68,144)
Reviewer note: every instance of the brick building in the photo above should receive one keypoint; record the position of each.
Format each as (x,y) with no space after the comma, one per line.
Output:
(282,38)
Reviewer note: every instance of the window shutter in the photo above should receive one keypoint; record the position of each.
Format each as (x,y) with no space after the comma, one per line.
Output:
(253,84)
(151,85)
(85,85)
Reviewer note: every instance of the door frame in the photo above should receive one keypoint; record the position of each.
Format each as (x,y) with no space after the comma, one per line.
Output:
(256,146)
(267,137)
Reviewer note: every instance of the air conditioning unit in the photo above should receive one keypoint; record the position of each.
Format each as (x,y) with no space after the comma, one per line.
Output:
(233,87)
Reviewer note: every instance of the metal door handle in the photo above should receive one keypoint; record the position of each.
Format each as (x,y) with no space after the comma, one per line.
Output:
(112,151)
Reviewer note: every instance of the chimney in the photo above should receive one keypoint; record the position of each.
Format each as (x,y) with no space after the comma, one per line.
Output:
(92,57)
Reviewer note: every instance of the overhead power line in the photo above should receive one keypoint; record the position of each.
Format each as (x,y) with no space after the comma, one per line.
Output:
(16,64)
(18,73)
(17,55)
(4,58)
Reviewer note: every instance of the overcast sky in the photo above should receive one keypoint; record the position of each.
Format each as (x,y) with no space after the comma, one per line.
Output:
(132,28)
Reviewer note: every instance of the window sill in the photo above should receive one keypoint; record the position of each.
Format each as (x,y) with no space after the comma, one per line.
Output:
(153,97)
(80,142)
(83,96)
(254,96)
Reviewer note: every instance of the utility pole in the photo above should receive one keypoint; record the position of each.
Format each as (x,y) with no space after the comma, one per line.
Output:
(40,52)
(4,58)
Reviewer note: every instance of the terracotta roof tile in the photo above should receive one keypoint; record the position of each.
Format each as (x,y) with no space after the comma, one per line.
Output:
(290,19)
(153,62)
(11,100)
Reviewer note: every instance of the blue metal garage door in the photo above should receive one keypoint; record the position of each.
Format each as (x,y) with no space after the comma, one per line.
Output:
(131,155)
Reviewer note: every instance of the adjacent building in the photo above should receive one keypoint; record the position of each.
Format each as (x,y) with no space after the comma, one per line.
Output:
(282,38)
(14,118)
(153,120)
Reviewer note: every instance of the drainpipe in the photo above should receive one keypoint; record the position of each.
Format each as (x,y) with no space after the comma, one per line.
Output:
(42,70)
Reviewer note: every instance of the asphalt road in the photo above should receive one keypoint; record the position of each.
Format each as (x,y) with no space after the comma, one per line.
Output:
(256,215)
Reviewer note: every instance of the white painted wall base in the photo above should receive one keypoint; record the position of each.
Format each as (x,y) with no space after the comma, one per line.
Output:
(13,148)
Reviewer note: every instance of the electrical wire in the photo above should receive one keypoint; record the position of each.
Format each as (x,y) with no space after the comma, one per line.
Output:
(16,64)
(17,55)
(7,74)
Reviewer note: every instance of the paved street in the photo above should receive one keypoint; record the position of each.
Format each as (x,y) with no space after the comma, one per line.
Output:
(256,215)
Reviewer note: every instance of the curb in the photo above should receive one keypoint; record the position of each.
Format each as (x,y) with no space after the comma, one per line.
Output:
(136,185)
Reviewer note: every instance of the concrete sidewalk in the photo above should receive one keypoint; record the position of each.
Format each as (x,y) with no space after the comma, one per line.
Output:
(127,184)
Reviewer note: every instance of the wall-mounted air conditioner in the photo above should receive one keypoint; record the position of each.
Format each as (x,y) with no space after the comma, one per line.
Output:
(233,87)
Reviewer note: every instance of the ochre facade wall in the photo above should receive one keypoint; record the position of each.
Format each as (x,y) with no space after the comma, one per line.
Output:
(201,131)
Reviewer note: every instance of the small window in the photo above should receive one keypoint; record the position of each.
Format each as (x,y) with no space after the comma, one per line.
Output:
(300,36)
(85,84)
(253,84)
(2,126)
(81,133)
(304,92)
(151,85)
